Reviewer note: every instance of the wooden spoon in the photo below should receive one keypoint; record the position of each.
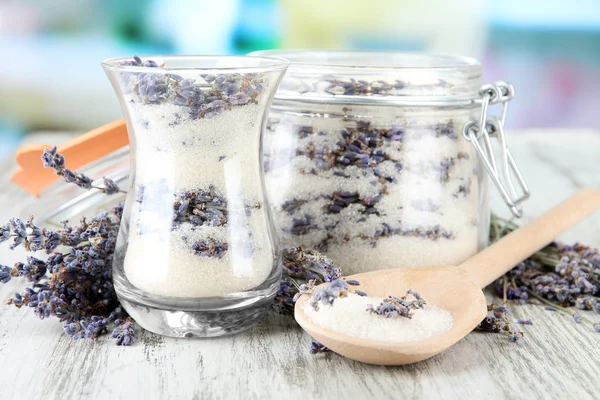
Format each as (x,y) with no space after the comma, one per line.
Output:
(456,289)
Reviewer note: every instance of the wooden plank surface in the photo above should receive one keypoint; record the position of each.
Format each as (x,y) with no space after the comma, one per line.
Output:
(557,359)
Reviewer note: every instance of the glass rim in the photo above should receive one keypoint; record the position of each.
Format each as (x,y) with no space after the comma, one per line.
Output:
(317,58)
(262,63)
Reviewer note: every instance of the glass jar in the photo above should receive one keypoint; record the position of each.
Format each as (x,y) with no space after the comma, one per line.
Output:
(195,253)
(366,158)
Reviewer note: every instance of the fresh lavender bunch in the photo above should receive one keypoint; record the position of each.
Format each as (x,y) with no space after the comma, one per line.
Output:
(559,276)
(56,161)
(75,283)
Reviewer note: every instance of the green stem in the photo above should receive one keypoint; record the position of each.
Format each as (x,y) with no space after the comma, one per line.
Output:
(320,273)
(294,282)
(504,286)
(101,189)
(545,260)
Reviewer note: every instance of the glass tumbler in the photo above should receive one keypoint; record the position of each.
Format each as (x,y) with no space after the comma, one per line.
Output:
(195,255)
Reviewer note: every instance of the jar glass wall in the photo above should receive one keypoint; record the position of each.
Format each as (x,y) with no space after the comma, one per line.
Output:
(195,254)
(365,159)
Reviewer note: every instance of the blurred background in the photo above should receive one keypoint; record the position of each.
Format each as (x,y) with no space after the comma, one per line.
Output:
(51,79)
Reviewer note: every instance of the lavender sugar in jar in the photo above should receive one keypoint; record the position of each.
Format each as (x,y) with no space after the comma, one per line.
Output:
(195,253)
(366,158)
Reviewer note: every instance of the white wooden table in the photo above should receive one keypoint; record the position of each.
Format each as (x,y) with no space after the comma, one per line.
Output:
(557,358)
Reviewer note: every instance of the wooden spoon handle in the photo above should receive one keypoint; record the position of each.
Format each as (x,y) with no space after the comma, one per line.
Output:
(500,257)
(33,177)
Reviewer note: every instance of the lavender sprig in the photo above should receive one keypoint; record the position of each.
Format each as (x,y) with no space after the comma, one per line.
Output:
(56,161)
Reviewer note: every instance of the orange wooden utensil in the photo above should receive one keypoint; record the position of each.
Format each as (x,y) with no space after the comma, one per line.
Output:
(33,177)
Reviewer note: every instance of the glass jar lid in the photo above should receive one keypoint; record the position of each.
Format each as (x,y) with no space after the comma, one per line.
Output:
(381,77)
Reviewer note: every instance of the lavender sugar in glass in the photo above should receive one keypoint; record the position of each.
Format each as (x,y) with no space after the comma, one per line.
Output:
(195,256)
(365,159)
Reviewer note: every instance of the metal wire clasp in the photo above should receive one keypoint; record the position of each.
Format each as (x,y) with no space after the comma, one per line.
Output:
(502,168)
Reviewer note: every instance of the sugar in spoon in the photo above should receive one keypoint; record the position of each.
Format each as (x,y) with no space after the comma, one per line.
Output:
(457,289)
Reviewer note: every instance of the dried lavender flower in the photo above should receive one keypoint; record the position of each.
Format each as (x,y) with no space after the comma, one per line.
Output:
(316,348)
(210,248)
(5,233)
(515,336)
(302,272)
(326,295)
(393,307)
(524,322)
(498,322)
(56,161)
(124,332)
(5,273)
(110,187)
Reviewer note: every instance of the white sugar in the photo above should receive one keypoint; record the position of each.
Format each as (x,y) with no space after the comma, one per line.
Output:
(349,316)
(171,268)
(190,155)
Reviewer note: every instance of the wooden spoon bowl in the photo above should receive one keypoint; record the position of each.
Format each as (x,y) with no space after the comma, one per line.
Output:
(448,287)
(455,289)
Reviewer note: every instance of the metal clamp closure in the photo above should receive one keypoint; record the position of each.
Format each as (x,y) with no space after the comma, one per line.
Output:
(502,169)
